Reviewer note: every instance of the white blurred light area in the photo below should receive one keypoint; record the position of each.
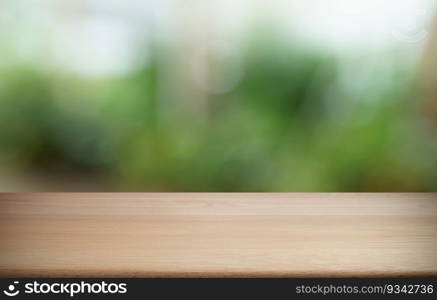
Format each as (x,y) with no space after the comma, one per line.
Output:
(96,47)
(371,23)
(99,38)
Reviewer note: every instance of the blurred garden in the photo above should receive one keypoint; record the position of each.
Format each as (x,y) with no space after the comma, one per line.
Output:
(278,115)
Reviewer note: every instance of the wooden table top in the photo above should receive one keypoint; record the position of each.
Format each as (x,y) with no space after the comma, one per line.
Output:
(202,235)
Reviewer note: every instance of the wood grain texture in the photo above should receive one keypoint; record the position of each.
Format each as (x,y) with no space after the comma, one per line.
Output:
(168,235)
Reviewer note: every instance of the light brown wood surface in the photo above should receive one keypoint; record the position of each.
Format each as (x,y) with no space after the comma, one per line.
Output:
(170,235)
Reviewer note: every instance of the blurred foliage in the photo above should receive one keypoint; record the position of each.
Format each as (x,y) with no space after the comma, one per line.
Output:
(295,122)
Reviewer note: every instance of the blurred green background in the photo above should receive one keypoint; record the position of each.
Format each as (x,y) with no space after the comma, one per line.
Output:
(280,114)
